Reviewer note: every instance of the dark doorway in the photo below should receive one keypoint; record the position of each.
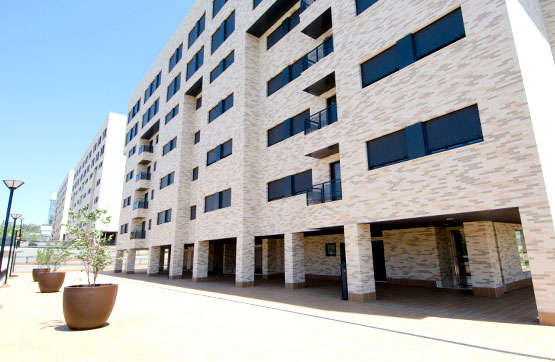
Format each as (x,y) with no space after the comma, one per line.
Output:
(335,171)
(331,100)
(379,261)
(342,252)
(462,264)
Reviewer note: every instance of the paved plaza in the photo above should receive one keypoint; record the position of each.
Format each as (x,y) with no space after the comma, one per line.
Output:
(157,319)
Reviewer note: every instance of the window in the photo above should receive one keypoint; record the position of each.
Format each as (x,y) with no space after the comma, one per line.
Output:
(132,151)
(153,86)
(217,201)
(220,152)
(124,229)
(288,24)
(289,186)
(173,87)
(198,103)
(106,130)
(456,129)
(255,3)
(413,47)
(166,180)
(150,113)
(288,128)
(152,194)
(129,176)
(223,32)
(176,57)
(222,107)
(132,133)
(171,115)
(127,201)
(193,215)
(195,173)
(169,146)
(102,150)
(132,113)
(217,5)
(195,63)
(97,182)
(164,217)
(222,66)
(364,4)
(197,137)
(197,30)
(96,200)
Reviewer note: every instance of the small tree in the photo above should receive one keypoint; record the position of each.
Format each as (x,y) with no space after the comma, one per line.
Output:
(42,259)
(52,257)
(89,240)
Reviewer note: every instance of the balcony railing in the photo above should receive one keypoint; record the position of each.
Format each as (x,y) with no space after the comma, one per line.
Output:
(146,148)
(321,119)
(305,4)
(138,234)
(318,53)
(324,192)
(143,176)
(140,205)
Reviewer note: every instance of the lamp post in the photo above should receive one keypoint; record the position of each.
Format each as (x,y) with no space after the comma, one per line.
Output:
(12,185)
(16,246)
(14,217)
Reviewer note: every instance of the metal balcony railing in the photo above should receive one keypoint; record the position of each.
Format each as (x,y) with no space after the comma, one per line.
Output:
(141,204)
(324,192)
(143,176)
(318,53)
(138,234)
(146,148)
(321,119)
(305,4)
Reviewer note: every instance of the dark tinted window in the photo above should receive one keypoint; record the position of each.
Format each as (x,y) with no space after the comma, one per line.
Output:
(276,189)
(197,30)
(211,203)
(225,198)
(278,134)
(227,148)
(212,156)
(228,103)
(454,129)
(284,29)
(386,150)
(439,34)
(379,66)
(288,128)
(195,173)
(301,182)
(214,113)
(255,3)
(275,83)
(193,215)
(364,4)
(217,5)
(197,137)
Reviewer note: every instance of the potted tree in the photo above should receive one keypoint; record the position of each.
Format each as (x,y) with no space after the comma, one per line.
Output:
(41,263)
(89,305)
(53,257)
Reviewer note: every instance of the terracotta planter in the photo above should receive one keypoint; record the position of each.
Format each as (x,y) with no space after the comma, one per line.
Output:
(37,271)
(51,282)
(89,307)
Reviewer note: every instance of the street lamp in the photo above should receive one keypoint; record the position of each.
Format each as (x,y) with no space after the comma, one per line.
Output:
(14,217)
(16,245)
(12,185)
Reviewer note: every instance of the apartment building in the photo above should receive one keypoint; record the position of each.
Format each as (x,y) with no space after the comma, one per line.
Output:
(407,140)
(61,211)
(98,178)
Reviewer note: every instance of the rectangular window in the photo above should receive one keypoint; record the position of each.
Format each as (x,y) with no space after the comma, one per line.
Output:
(132,113)
(129,176)
(387,150)
(127,201)
(195,173)
(222,107)
(364,4)
(164,217)
(288,128)
(197,137)
(167,180)
(176,57)
(222,66)
(169,146)
(153,87)
(198,103)
(124,229)
(195,63)
(171,115)
(132,133)
(193,215)
(132,151)
(224,31)
(150,113)
(197,30)
(217,5)
(289,186)
(217,201)
(255,3)
(288,24)
(222,151)
(379,66)
(174,87)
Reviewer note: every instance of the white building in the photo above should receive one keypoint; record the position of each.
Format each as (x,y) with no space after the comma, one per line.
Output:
(62,207)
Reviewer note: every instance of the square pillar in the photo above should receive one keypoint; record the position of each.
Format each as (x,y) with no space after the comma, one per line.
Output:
(229,259)
(244,263)
(118,263)
(154,253)
(360,265)
(200,261)
(294,261)
(485,269)
(130,263)
(176,261)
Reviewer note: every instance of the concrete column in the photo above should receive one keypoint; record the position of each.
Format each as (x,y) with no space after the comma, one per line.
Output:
(360,265)
(130,263)
(176,261)
(294,261)
(153,260)
(265,258)
(485,268)
(118,263)
(200,261)
(229,259)
(244,264)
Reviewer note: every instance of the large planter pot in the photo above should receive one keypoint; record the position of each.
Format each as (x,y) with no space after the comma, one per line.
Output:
(89,307)
(51,282)
(37,271)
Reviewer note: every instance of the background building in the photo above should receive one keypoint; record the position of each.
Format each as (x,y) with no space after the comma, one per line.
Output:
(62,207)
(407,139)
(52,208)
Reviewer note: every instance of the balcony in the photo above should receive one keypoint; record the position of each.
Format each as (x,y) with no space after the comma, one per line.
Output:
(143,181)
(140,205)
(146,154)
(318,53)
(138,234)
(324,192)
(321,119)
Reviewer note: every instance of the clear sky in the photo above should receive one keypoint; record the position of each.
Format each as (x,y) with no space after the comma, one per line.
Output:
(64,64)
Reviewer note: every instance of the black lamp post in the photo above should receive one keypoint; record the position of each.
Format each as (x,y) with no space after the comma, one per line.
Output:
(12,185)
(16,245)
(14,217)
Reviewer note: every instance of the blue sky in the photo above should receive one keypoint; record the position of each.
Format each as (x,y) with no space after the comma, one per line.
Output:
(64,64)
